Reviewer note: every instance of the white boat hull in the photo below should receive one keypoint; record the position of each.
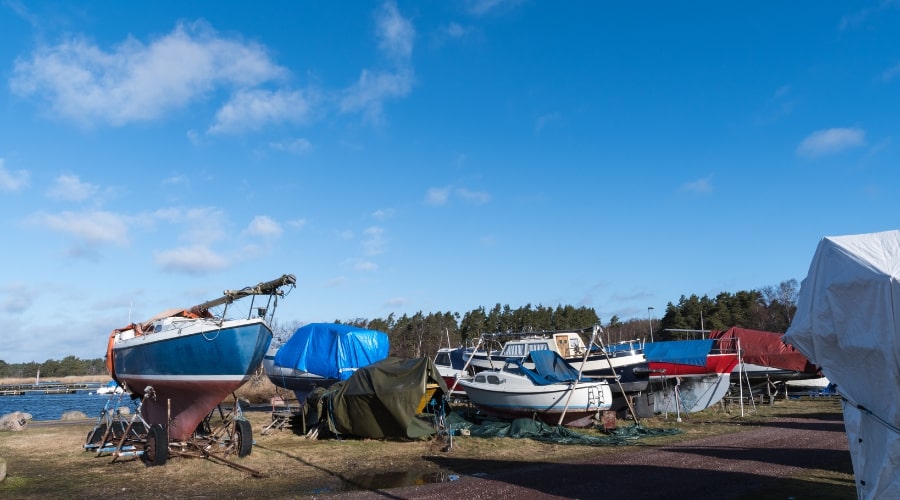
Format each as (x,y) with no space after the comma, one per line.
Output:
(509,395)
(688,394)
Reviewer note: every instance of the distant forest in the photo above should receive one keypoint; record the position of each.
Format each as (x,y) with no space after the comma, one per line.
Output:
(769,309)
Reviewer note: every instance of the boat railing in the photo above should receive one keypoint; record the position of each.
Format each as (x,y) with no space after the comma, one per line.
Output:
(273,289)
(725,345)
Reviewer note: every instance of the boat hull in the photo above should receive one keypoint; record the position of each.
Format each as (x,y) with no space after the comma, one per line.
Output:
(547,403)
(688,394)
(301,383)
(715,364)
(191,369)
(632,371)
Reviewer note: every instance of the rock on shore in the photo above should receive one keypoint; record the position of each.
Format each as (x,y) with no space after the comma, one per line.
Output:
(14,421)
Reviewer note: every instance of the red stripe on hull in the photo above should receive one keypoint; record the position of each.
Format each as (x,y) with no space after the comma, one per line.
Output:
(715,363)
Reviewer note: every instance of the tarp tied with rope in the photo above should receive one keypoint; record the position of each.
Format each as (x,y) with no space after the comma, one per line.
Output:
(382,400)
(845,324)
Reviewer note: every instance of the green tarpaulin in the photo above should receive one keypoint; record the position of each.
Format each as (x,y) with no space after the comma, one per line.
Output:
(380,400)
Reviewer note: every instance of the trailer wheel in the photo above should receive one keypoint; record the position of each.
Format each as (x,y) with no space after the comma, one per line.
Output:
(157,449)
(243,438)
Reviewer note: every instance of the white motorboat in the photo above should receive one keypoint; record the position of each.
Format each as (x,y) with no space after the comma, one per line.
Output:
(552,392)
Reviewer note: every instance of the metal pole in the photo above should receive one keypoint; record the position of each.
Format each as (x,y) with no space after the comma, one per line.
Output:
(649,318)
(587,351)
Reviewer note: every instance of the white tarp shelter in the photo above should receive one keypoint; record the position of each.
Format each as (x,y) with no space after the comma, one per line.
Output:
(847,324)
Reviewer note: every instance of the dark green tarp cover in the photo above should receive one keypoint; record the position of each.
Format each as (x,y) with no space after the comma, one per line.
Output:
(380,400)
(539,431)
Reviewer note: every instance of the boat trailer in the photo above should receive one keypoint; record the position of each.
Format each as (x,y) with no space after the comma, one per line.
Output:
(121,432)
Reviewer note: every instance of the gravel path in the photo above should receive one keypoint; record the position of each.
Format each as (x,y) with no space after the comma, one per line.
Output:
(721,467)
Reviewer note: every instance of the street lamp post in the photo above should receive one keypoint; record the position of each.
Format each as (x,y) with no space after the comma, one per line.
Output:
(651,322)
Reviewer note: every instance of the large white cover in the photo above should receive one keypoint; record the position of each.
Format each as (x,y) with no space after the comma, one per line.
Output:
(845,323)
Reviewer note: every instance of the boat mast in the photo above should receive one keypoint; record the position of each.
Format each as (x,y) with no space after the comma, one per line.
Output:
(228,296)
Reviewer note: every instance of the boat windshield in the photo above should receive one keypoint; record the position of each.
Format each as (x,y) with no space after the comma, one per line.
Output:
(520,349)
(442,359)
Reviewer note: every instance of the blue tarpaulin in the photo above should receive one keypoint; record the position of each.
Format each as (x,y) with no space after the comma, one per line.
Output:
(685,352)
(332,350)
(549,368)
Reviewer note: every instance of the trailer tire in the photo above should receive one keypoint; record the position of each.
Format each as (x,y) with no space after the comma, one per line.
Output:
(156,450)
(243,438)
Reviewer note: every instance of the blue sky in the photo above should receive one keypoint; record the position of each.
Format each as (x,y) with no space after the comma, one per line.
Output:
(429,156)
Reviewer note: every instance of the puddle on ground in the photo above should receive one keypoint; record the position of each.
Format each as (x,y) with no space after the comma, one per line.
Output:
(388,480)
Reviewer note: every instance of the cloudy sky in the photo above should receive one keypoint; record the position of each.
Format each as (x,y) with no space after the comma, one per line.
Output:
(429,156)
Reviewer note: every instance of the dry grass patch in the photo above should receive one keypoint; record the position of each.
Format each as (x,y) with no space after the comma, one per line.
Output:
(46,460)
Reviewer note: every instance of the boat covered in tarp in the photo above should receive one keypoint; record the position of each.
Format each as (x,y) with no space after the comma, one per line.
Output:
(767,359)
(320,354)
(381,400)
(689,375)
(767,349)
(682,352)
(847,324)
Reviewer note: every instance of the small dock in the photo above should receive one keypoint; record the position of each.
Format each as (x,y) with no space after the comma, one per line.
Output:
(46,388)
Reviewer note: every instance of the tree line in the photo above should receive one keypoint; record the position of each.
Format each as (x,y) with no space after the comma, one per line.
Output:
(769,309)
(50,369)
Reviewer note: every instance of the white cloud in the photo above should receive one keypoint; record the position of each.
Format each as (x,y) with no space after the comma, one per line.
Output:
(891,73)
(372,89)
(477,197)
(337,281)
(297,223)
(252,109)
(16,298)
(482,7)
(396,302)
(203,225)
(441,196)
(296,146)
(197,259)
(382,214)
(394,32)
(365,266)
(70,188)
(136,82)
(175,180)
(701,186)
(544,120)
(375,241)
(395,40)
(831,141)
(437,196)
(12,180)
(265,226)
(455,30)
(93,227)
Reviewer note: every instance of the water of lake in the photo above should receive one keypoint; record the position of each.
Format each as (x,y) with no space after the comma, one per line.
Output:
(52,406)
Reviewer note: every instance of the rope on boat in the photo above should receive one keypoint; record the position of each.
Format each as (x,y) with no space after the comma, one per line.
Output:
(872,414)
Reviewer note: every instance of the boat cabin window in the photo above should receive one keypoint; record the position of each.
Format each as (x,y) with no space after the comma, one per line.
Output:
(443,358)
(538,347)
(519,350)
(513,350)
(487,379)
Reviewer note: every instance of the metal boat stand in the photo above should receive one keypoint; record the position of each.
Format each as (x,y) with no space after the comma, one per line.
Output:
(232,435)
(121,432)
